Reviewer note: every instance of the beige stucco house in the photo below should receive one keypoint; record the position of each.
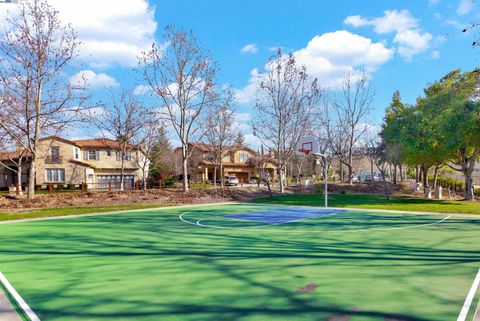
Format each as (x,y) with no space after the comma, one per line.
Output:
(237,162)
(62,161)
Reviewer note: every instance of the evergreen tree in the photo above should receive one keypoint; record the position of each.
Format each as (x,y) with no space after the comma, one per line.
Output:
(240,139)
(162,154)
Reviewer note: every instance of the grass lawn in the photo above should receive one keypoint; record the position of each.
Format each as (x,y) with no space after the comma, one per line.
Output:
(61,211)
(370,201)
(150,265)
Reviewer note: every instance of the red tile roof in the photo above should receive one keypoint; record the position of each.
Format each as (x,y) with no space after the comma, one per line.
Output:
(87,143)
(13,155)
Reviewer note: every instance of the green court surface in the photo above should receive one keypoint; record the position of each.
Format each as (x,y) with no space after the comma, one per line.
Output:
(196,264)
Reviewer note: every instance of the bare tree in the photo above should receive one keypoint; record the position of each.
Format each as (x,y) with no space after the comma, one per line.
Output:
(259,162)
(351,107)
(285,97)
(221,131)
(35,51)
(182,75)
(13,157)
(145,139)
(369,149)
(121,120)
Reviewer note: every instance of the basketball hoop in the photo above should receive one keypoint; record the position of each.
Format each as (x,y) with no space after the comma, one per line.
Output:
(304,151)
(306,147)
(309,145)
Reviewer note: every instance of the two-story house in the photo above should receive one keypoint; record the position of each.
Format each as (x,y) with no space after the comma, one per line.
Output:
(92,161)
(237,162)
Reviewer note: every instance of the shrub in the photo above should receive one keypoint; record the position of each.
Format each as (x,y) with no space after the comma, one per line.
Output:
(343,191)
(318,190)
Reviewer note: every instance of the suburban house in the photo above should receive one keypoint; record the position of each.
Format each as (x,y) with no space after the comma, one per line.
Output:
(237,162)
(62,161)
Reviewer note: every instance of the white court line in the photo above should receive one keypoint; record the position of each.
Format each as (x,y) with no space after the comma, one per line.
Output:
(261,229)
(20,301)
(468,301)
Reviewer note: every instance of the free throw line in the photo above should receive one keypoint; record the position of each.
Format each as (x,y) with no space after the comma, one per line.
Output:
(468,301)
(19,300)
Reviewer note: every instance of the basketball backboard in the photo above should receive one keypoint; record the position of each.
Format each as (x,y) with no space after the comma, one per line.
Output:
(308,145)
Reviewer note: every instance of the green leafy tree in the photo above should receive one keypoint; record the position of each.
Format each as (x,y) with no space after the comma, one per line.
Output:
(391,133)
(453,102)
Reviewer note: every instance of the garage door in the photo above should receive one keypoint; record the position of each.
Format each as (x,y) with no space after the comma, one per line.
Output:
(242,177)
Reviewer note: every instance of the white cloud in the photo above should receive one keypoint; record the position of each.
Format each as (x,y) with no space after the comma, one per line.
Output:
(391,21)
(435,54)
(112,32)
(464,7)
(93,80)
(250,48)
(327,57)
(408,35)
(412,42)
(252,141)
(433,2)
(141,90)
(242,121)
(247,93)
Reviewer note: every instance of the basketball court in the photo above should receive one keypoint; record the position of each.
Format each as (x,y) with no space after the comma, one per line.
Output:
(246,262)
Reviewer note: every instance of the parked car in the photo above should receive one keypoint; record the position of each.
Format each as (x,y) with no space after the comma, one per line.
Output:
(231,180)
(374,178)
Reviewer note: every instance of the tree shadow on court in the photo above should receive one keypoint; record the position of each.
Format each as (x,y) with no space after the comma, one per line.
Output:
(207,274)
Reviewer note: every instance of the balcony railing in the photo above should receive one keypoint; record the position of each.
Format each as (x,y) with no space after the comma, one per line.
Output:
(53,160)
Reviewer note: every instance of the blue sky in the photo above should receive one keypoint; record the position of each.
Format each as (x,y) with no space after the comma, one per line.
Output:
(403,44)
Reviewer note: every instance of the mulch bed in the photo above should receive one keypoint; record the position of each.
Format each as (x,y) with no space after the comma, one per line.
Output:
(196,196)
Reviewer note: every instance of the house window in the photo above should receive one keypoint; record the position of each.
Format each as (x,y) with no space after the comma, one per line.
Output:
(55,175)
(76,153)
(244,157)
(127,157)
(55,152)
(92,155)
(109,152)
(113,181)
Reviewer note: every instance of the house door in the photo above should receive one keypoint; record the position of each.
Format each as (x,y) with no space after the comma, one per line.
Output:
(89,177)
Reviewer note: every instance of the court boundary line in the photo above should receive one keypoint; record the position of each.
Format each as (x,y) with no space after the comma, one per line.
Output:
(476,316)
(18,299)
(469,299)
(166,207)
(261,229)
(173,206)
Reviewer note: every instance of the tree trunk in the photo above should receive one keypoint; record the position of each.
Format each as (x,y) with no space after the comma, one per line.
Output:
(350,169)
(394,174)
(400,168)
(31,179)
(342,175)
(19,179)
(371,169)
(222,183)
(425,177)
(385,186)
(214,176)
(144,178)
(435,176)
(185,168)
(417,175)
(469,196)
(281,176)
(122,173)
